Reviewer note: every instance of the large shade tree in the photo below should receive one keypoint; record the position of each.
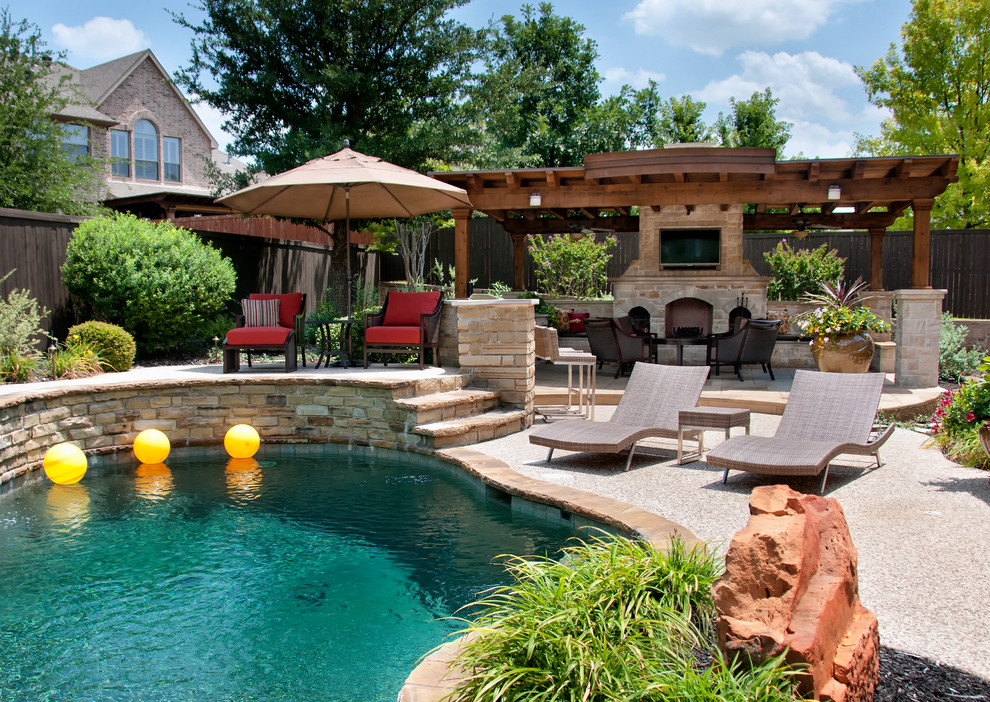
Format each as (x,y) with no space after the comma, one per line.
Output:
(754,123)
(36,172)
(936,86)
(298,78)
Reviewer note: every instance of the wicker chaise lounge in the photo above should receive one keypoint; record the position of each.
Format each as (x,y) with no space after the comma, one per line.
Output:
(827,414)
(648,408)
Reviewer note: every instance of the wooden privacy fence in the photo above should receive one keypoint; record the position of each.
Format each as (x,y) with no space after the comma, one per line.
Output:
(960,259)
(34,243)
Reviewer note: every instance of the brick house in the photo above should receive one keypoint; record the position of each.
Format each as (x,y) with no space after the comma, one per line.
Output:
(130,111)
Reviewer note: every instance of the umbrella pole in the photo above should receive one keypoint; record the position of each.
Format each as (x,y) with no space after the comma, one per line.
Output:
(347,242)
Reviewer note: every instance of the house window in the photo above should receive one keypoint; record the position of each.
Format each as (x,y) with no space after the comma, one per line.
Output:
(120,153)
(145,150)
(171,159)
(75,141)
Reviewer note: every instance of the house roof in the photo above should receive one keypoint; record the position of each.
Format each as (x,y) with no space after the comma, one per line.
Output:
(872,192)
(95,84)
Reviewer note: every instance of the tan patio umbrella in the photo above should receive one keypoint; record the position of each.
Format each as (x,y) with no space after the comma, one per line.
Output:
(344,185)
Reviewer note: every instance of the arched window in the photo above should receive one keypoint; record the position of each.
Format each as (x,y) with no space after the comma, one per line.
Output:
(145,150)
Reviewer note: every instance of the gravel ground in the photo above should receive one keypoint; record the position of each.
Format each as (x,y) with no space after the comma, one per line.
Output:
(920,523)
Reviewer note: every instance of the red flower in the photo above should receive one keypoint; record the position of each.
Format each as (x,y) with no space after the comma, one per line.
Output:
(970,417)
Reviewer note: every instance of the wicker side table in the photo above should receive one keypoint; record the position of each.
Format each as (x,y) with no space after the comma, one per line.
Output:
(707,418)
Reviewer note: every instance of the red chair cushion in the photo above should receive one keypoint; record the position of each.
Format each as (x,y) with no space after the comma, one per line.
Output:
(576,322)
(245,336)
(403,308)
(289,305)
(392,335)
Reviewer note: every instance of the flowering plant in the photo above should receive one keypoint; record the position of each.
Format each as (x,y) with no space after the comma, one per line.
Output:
(959,417)
(841,312)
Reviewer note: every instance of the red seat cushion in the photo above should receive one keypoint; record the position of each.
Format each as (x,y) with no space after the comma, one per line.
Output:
(245,336)
(403,308)
(392,335)
(289,305)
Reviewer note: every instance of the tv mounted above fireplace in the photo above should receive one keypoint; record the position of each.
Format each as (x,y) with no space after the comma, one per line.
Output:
(690,248)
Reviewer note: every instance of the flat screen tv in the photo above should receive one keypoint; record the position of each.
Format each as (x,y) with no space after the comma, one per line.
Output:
(690,248)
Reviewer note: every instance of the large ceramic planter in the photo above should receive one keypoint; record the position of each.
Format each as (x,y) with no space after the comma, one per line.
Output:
(843,353)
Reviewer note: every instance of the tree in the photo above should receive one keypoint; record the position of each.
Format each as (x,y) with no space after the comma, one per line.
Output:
(754,123)
(36,172)
(537,89)
(680,122)
(937,88)
(299,78)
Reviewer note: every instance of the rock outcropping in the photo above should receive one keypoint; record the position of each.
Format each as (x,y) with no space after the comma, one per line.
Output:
(791,584)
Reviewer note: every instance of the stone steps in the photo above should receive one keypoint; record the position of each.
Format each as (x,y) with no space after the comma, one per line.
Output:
(466,431)
(450,404)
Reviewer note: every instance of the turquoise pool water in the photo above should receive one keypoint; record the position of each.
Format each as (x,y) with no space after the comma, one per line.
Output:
(314,576)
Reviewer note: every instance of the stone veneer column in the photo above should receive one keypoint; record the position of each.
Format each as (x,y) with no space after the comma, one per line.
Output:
(495,343)
(919,321)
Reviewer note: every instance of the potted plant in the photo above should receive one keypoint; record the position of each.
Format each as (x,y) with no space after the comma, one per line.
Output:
(839,327)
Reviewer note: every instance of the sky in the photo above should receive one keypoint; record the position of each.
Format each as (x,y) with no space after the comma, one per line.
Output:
(713,50)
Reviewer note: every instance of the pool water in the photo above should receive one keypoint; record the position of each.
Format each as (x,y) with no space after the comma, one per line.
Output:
(321,575)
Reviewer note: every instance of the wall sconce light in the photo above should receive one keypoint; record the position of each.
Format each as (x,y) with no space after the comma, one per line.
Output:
(535,199)
(834,192)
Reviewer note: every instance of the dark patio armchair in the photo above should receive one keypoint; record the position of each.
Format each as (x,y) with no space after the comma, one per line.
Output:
(751,343)
(610,344)
(280,331)
(408,323)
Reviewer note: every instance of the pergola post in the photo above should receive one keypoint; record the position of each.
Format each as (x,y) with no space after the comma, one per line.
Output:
(922,241)
(518,261)
(462,251)
(876,259)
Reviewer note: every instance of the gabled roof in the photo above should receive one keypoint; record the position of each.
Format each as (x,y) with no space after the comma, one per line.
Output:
(97,83)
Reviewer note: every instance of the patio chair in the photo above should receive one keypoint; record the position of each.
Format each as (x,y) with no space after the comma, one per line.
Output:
(268,323)
(610,344)
(827,414)
(649,406)
(751,343)
(408,323)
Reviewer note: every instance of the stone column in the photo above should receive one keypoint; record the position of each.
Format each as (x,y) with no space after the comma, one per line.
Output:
(919,321)
(494,341)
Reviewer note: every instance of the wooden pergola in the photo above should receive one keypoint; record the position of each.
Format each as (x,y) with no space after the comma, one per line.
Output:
(849,193)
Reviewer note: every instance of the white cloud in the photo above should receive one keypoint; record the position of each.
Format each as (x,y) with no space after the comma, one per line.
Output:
(712,26)
(813,140)
(101,39)
(639,79)
(806,84)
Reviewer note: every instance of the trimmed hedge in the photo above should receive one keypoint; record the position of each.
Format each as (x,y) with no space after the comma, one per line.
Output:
(114,346)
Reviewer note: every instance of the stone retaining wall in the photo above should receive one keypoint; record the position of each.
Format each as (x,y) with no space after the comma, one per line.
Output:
(101,419)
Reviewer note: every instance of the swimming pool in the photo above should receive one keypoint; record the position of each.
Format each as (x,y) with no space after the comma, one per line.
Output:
(311,573)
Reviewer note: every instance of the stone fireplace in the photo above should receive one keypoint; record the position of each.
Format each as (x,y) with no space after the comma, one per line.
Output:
(676,292)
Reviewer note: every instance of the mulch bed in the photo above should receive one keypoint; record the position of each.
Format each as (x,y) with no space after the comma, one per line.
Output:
(905,677)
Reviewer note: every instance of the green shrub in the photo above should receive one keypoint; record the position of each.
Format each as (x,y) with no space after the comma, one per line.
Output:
(20,320)
(157,281)
(799,272)
(111,343)
(954,359)
(18,368)
(613,620)
(565,267)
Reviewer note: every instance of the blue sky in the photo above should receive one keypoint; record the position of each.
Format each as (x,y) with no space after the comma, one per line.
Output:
(805,50)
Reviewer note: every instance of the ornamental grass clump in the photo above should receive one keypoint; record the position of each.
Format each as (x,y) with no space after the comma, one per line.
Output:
(960,415)
(614,619)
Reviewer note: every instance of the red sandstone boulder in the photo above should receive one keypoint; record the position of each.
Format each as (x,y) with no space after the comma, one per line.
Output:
(791,584)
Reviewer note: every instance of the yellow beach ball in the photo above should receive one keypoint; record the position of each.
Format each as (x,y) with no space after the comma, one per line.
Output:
(151,446)
(241,441)
(65,464)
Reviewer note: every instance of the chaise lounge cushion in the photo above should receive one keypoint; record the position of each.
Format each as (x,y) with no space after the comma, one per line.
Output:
(263,336)
(407,336)
(289,305)
(404,311)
